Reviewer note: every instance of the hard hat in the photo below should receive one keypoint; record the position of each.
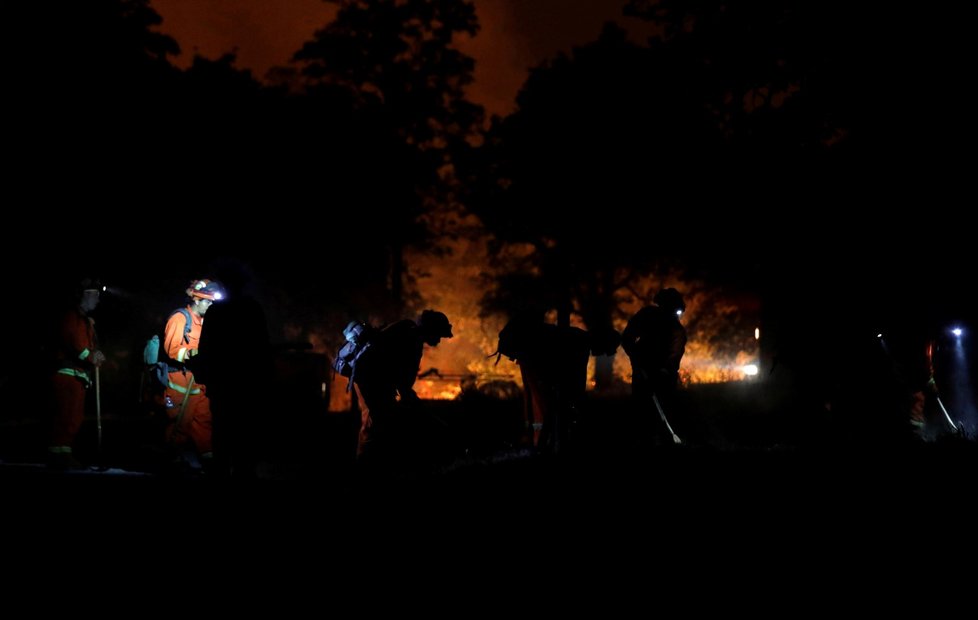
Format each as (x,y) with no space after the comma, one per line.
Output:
(89,284)
(436,323)
(353,330)
(669,298)
(205,289)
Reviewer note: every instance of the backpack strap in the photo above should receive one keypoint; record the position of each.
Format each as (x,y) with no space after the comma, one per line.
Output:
(169,362)
(186,326)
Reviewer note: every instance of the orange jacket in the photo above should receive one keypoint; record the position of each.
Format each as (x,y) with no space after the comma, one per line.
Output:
(77,342)
(177,347)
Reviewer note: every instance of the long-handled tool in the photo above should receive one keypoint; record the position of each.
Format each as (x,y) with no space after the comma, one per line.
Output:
(946,414)
(183,406)
(662,414)
(98,407)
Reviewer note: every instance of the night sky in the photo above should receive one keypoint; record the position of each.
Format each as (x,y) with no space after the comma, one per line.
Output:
(514,35)
(873,228)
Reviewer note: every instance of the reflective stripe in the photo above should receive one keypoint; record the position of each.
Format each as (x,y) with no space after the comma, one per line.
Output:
(181,389)
(181,354)
(72,372)
(85,353)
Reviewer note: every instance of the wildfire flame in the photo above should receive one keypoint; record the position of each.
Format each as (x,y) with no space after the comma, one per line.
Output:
(720,330)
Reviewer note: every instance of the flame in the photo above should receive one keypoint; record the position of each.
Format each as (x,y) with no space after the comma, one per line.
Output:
(431,389)
(720,329)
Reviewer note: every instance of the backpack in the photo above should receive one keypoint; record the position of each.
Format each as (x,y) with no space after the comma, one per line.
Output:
(359,337)
(160,368)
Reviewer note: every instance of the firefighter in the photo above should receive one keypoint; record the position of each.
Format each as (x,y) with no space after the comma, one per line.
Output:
(76,357)
(553,363)
(188,408)
(655,342)
(385,379)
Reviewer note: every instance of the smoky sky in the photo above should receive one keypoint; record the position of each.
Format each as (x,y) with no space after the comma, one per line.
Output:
(515,35)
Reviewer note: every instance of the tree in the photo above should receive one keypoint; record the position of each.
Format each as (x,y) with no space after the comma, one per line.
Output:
(396,61)
(587,137)
(77,64)
(830,80)
(627,136)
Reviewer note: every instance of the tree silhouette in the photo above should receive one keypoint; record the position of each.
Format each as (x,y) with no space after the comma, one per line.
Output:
(848,108)
(850,80)
(588,137)
(82,70)
(395,61)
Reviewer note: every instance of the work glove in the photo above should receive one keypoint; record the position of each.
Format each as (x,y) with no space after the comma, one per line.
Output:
(97,358)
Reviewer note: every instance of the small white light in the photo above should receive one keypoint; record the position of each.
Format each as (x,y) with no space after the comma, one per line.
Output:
(879,335)
(679,312)
(750,370)
(757,333)
(957,331)
(218,296)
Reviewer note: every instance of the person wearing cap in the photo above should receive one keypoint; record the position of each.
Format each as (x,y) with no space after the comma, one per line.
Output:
(655,342)
(76,357)
(190,415)
(385,377)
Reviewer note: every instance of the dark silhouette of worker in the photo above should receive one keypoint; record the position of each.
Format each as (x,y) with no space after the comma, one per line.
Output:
(955,372)
(553,363)
(384,381)
(890,394)
(235,362)
(655,342)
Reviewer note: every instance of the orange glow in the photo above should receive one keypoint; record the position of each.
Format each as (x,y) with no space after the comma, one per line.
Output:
(455,285)
(513,35)
(429,389)
(721,332)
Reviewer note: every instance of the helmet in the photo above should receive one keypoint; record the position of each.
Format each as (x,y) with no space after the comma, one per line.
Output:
(353,330)
(89,284)
(669,298)
(205,289)
(436,323)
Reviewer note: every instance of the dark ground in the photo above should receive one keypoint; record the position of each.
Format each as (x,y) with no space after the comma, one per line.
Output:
(741,456)
(751,520)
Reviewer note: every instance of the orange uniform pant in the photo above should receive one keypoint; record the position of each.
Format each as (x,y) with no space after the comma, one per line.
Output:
(196,424)
(69,410)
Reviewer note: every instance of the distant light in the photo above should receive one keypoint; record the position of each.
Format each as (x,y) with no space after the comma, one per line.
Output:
(879,335)
(218,296)
(750,370)
(104,288)
(957,331)
(757,333)
(679,312)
